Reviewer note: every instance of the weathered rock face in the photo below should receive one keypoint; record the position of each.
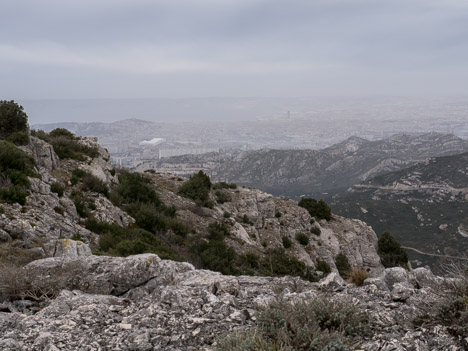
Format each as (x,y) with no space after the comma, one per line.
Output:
(43,153)
(165,305)
(46,218)
(272,218)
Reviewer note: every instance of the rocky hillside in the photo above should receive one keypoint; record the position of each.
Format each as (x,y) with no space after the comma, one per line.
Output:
(424,206)
(71,199)
(57,295)
(312,172)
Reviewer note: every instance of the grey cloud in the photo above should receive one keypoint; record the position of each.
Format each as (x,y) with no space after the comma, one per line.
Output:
(149,48)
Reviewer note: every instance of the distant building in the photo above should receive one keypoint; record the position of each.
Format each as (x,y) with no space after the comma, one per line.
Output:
(152,142)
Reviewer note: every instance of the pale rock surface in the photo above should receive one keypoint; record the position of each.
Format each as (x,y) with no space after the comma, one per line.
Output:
(144,303)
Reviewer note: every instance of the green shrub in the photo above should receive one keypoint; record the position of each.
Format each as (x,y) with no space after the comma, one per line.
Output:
(77,237)
(287,242)
(278,214)
(80,205)
(13,123)
(315,230)
(19,138)
(15,168)
(217,256)
(317,209)
(251,260)
(116,240)
(222,197)
(342,265)
(57,188)
(59,210)
(62,132)
(217,231)
(246,220)
(134,188)
(149,218)
(302,238)
(66,145)
(390,252)
(15,164)
(226,214)
(277,263)
(179,228)
(13,194)
(223,185)
(314,325)
(324,267)
(93,183)
(197,188)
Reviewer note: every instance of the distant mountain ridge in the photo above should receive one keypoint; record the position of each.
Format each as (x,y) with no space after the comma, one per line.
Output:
(425,206)
(333,169)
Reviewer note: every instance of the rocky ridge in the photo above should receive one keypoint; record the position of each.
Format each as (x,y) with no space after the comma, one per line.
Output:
(429,199)
(166,305)
(296,172)
(32,230)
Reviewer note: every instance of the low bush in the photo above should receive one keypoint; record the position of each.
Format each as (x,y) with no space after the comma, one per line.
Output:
(134,188)
(314,325)
(217,256)
(197,188)
(342,265)
(15,168)
(318,209)
(19,138)
(77,237)
(119,241)
(57,188)
(357,276)
(316,231)
(287,242)
(92,183)
(217,231)
(246,220)
(278,214)
(451,310)
(302,238)
(16,283)
(323,267)
(222,197)
(59,210)
(277,263)
(223,185)
(80,206)
(390,252)
(66,145)
(13,194)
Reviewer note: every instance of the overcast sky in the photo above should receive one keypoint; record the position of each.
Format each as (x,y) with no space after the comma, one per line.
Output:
(196,48)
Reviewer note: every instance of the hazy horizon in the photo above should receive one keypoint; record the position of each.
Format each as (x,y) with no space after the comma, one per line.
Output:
(224,109)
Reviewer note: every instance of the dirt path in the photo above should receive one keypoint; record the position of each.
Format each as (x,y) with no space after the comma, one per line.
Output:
(435,255)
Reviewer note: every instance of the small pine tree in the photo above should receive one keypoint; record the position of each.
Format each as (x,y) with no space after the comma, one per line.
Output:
(317,209)
(390,252)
